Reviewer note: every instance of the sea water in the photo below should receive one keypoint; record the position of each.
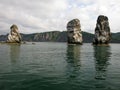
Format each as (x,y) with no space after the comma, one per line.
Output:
(59,66)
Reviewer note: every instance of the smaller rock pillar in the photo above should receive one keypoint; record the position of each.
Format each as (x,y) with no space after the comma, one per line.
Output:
(14,35)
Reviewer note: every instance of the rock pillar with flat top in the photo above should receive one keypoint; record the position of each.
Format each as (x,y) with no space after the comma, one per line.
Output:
(74,32)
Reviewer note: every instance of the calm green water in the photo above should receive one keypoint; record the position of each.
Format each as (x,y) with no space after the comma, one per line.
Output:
(58,66)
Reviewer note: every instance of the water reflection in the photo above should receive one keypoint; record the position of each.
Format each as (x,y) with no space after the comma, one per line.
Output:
(73,59)
(14,52)
(102,56)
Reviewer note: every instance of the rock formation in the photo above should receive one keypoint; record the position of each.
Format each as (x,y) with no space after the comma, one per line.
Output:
(14,35)
(102,31)
(74,32)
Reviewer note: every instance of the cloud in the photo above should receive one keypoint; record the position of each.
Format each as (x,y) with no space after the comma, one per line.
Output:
(47,15)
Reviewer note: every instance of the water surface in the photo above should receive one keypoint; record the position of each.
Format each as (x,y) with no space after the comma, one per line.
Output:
(58,66)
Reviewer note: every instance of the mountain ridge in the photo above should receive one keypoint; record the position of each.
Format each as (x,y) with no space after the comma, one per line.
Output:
(59,36)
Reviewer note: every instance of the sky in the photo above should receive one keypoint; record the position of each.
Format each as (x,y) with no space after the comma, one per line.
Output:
(35,16)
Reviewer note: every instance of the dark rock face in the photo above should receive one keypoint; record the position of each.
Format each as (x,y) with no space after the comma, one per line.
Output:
(14,35)
(102,31)
(74,32)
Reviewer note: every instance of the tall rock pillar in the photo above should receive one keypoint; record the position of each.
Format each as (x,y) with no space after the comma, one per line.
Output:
(102,31)
(74,32)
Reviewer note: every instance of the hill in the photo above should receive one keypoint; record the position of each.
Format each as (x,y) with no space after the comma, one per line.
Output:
(57,36)
(115,37)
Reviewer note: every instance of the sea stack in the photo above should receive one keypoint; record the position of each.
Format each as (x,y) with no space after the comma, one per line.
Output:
(14,35)
(102,31)
(74,32)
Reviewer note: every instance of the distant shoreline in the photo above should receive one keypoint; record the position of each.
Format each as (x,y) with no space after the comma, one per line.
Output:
(58,36)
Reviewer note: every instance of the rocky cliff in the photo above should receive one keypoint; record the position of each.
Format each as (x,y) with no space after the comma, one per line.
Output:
(53,36)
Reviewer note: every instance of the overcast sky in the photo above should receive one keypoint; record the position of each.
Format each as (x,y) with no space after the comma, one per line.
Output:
(34,16)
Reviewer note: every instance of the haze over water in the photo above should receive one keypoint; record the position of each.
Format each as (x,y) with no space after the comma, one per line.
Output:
(59,66)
